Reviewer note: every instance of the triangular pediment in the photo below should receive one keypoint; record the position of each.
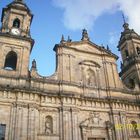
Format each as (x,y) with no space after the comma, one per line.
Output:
(86,47)
(89,47)
(90,63)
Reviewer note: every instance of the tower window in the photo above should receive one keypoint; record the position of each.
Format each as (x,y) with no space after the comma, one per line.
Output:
(131,83)
(2,131)
(126,53)
(138,50)
(11,61)
(16,23)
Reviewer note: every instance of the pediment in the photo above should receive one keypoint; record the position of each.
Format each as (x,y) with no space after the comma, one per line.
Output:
(90,63)
(91,48)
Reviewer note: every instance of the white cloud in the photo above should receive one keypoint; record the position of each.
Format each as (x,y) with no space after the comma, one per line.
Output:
(80,14)
(131,9)
(113,40)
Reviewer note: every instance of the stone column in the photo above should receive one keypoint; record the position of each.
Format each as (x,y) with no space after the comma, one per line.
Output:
(24,131)
(75,126)
(13,120)
(31,124)
(61,124)
(67,124)
(124,125)
(109,127)
(36,123)
(18,124)
(114,116)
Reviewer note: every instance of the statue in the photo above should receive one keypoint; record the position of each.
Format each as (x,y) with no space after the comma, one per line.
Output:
(34,64)
(48,125)
(85,35)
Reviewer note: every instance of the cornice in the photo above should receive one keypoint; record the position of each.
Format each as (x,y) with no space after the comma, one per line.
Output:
(69,44)
(17,37)
(74,96)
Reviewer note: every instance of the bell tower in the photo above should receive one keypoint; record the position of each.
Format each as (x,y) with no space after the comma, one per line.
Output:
(15,39)
(129,46)
(16,19)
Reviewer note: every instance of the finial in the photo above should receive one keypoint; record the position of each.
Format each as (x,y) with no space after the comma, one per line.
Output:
(85,35)
(62,39)
(69,39)
(121,64)
(33,64)
(102,46)
(126,26)
(108,48)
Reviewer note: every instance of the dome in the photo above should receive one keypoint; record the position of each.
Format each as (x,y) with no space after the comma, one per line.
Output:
(19,4)
(128,33)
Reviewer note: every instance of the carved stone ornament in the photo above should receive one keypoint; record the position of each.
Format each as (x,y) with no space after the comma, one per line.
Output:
(94,120)
(85,35)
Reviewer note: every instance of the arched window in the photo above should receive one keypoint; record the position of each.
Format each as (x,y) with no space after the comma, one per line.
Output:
(48,125)
(126,53)
(90,78)
(2,131)
(131,83)
(11,61)
(16,23)
(138,50)
(135,132)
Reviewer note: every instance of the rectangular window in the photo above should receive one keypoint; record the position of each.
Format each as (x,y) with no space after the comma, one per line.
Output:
(2,131)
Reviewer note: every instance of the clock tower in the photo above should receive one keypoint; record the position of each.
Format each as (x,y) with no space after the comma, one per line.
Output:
(15,40)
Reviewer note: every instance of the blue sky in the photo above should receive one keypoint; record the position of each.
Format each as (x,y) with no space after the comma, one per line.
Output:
(52,18)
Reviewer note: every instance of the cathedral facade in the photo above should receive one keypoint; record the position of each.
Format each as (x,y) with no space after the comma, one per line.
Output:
(85,99)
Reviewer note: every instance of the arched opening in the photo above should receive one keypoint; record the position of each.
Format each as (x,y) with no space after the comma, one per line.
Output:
(90,78)
(2,131)
(131,83)
(16,23)
(126,53)
(138,50)
(48,125)
(135,132)
(11,61)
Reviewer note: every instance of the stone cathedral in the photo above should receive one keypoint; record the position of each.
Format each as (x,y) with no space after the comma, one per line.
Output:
(85,99)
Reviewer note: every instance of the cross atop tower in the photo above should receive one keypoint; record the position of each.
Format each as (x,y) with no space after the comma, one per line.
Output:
(123,18)
(125,25)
